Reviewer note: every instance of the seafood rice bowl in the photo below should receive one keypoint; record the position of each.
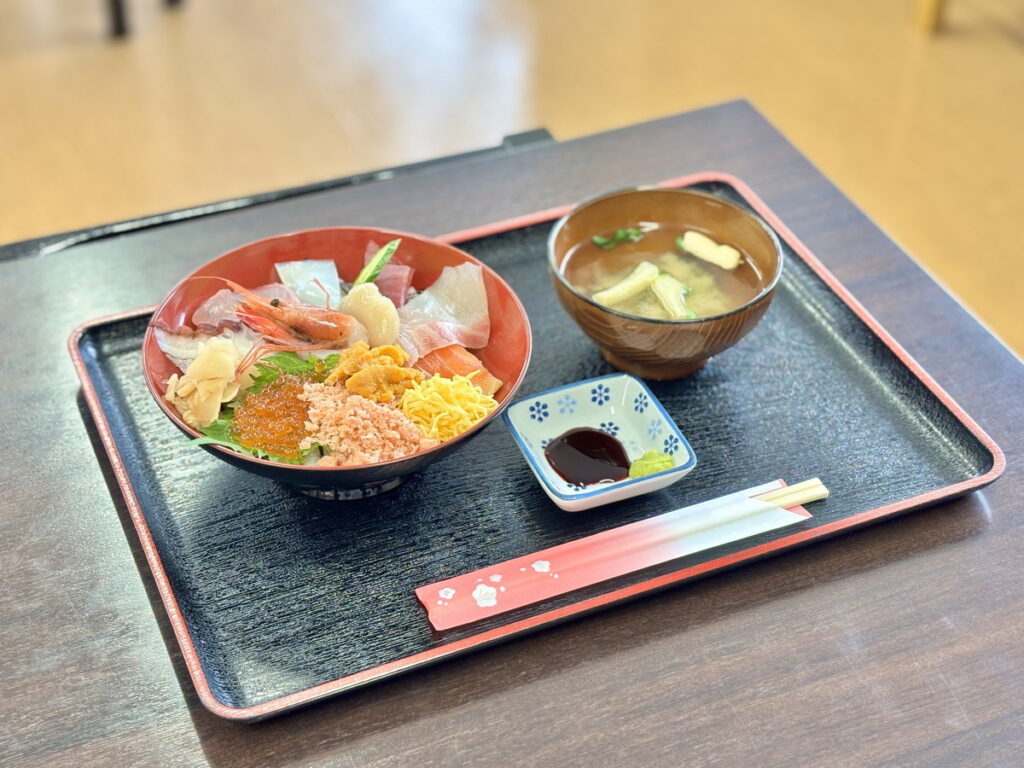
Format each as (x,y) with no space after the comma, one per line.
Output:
(339,360)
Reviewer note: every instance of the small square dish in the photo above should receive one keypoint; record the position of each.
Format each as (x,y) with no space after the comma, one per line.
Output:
(618,404)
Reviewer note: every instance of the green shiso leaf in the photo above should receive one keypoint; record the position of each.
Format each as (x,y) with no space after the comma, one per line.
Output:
(219,433)
(270,368)
(263,376)
(289,362)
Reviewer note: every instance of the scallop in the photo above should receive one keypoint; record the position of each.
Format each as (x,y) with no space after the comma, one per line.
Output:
(376,312)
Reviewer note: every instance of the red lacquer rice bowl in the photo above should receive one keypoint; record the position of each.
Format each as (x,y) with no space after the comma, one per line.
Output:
(506,354)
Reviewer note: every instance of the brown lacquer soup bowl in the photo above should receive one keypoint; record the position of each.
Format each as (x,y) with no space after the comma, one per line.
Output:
(506,354)
(655,348)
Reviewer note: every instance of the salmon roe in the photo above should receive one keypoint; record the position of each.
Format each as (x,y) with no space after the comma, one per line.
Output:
(274,419)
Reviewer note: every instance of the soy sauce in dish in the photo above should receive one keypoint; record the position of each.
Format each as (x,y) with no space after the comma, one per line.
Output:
(585,456)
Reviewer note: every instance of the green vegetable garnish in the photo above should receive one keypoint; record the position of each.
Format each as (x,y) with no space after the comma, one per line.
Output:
(268,370)
(626,235)
(376,264)
(219,433)
(651,463)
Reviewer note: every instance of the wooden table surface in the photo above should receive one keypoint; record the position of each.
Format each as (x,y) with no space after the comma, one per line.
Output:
(901,644)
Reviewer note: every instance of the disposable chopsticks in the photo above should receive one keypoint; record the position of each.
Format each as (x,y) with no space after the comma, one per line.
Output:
(616,552)
(796,495)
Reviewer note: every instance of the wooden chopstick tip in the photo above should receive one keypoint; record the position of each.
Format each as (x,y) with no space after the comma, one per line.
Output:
(796,495)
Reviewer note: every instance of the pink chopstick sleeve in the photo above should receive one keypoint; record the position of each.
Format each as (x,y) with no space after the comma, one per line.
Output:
(590,560)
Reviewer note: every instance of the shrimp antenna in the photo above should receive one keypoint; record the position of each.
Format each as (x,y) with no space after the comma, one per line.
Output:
(327,295)
(230,283)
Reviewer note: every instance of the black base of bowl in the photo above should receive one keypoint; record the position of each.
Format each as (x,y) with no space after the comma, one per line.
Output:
(353,494)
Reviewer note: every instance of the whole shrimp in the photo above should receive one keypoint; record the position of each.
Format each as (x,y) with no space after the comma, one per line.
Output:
(284,326)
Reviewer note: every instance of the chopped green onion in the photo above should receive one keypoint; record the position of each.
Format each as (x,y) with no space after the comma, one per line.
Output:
(625,235)
(376,264)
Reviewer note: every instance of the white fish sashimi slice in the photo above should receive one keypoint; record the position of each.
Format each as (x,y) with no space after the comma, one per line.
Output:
(277,291)
(218,312)
(182,348)
(451,311)
(302,277)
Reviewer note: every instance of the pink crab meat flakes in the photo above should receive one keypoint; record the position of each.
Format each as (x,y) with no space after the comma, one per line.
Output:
(357,430)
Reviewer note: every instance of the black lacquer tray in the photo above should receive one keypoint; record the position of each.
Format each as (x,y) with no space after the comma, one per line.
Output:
(277,599)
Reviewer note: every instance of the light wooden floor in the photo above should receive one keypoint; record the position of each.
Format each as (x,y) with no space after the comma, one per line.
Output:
(227,97)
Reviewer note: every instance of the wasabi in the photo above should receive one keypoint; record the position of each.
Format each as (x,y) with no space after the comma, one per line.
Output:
(651,463)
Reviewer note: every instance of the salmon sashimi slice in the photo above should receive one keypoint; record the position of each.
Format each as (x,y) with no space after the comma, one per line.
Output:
(454,360)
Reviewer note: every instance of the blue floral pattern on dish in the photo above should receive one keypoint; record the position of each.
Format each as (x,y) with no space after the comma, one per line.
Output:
(567,405)
(619,405)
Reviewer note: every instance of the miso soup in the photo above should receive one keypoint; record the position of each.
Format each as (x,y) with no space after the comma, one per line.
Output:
(694,288)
